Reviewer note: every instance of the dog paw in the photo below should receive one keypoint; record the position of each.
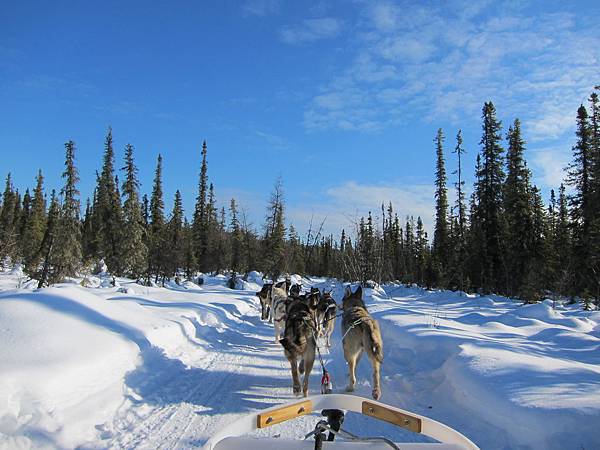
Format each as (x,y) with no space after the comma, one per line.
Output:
(349,388)
(297,390)
(376,393)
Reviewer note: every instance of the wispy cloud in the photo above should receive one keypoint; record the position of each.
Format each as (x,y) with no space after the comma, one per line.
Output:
(261,8)
(442,62)
(273,141)
(549,166)
(311,30)
(342,205)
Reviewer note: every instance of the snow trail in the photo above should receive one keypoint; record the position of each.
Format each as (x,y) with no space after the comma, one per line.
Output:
(142,367)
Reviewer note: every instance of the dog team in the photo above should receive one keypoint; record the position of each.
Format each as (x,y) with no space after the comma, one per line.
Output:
(299,319)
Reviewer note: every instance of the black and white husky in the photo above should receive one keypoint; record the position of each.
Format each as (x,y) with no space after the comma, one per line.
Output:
(265,295)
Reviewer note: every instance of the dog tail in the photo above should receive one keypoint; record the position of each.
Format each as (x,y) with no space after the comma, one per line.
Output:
(374,339)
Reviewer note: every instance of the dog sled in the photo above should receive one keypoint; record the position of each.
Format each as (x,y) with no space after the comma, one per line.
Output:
(329,434)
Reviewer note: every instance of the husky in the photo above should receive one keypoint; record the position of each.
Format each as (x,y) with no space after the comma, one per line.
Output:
(266,298)
(327,310)
(299,340)
(264,295)
(295,290)
(361,333)
(279,308)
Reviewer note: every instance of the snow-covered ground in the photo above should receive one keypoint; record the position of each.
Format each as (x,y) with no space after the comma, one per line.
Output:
(131,366)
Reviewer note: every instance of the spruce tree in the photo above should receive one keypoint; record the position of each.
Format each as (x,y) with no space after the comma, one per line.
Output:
(16,225)
(538,274)
(594,156)
(578,176)
(67,255)
(460,230)
(410,251)
(441,240)
(221,257)
(134,250)
(421,253)
(156,248)
(274,237)
(200,223)
(175,238)
(518,213)
(594,244)
(295,252)
(189,263)
(35,229)
(212,256)
(475,238)
(367,250)
(8,235)
(25,217)
(108,211)
(236,238)
(87,232)
(48,245)
(489,209)
(145,210)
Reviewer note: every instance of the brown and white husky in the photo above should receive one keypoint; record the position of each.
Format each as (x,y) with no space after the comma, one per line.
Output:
(361,333)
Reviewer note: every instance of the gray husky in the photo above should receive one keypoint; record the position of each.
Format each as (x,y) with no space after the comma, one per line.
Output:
(361,333)
(299,339)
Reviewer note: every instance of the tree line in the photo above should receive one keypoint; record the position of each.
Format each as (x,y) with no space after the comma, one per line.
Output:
(503,239)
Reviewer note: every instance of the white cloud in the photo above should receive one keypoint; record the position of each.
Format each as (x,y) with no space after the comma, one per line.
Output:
(442,62)
(384,16)
(343,205)
(311,30)
(403,49)
(549,166)
(261,8)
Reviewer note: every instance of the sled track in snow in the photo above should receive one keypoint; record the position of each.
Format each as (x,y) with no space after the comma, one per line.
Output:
(181,412)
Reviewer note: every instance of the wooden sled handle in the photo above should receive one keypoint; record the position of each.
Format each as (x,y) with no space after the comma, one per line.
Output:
(284,413)
(397,418)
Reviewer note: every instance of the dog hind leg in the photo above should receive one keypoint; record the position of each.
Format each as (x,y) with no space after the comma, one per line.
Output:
(295,376)
(376,375)
(309,360)
(352,362)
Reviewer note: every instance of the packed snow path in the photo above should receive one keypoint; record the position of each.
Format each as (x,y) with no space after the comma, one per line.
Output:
(130,366)
(244,370)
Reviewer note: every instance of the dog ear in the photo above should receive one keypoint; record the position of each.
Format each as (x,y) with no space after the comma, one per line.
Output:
(347,292)
(358,292)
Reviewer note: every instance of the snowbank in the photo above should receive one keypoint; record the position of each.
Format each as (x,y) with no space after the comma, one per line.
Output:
(508,376)
(128,365)
(62,367)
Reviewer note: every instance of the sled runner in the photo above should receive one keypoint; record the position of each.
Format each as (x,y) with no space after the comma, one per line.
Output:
(333,407)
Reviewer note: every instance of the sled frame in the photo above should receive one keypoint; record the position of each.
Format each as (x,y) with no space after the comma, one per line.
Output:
(377,410)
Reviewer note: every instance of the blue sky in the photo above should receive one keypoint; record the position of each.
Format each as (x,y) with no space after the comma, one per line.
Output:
(340,98)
